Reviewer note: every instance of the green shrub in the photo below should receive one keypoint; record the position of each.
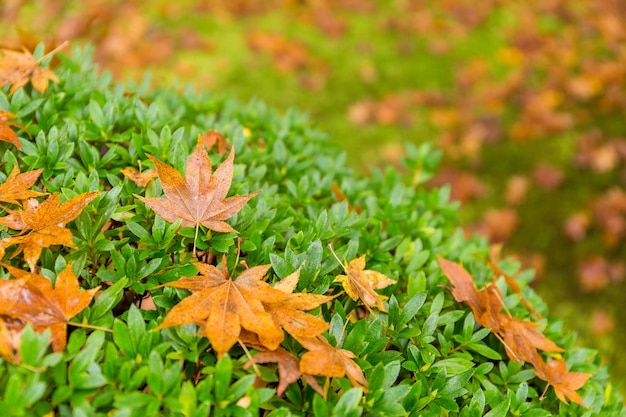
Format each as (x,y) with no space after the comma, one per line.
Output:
(425,356)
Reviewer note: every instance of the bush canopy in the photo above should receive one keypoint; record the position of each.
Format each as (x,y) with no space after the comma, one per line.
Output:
(183,292)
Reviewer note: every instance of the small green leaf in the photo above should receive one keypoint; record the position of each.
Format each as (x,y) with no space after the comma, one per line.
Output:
(348,404)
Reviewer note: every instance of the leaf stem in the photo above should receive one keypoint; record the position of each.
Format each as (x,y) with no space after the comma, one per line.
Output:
(54,51)
(245,349)
(195,238)
(330,246)
(30,368)
(89,326)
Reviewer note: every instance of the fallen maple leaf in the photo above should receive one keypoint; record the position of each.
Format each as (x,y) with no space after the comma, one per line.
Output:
(522,340)
(212,138)
(548,177)
(140,178)
(601,323)
(18,68)
(42,225)
(31,299)
(486,304)
(325,360)
(492,262)
(498,225)
(360,283)
(15,188)
(576,225)
(288,369)
(199,198)
(226,307)
(564,383)
(6,133)
(516,189)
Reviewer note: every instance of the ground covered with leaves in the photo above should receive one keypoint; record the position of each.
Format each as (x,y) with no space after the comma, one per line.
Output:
(168,253)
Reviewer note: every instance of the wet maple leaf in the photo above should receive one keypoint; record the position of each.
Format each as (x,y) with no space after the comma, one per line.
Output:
(486,304)
(18,68)
(224,306)
(6,132)
(360,283)
(199,198)
(31,299)
(288,369)
(522,339)
(16,187)
(42,225)
(564,383)
(325,360)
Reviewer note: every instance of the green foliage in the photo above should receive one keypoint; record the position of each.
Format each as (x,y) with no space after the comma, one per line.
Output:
(426,356)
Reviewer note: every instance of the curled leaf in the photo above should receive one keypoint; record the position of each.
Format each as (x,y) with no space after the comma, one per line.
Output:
(360,283)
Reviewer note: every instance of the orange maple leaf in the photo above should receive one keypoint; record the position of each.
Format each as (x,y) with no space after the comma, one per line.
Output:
(31,299)
(288,369)
(212,138)
(224,306)
(564,383)
(199,198)
(18,68)
(360,283)
(6,133)
(42,225)
(16,187)
(325,360)
(140,178)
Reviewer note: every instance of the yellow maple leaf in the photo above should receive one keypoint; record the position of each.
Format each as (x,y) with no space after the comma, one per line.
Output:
(360,283)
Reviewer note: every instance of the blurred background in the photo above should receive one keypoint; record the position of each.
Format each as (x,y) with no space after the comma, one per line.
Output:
(526,100)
